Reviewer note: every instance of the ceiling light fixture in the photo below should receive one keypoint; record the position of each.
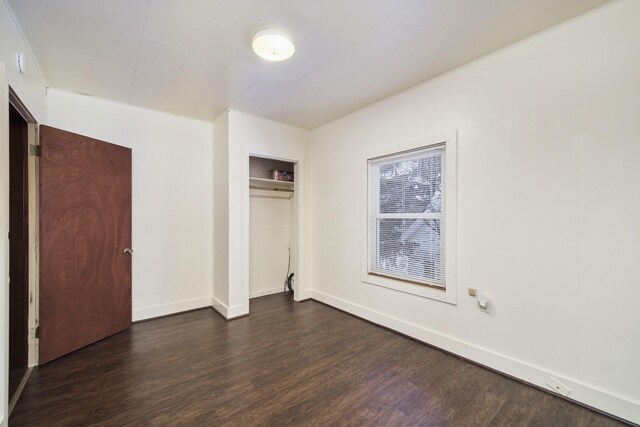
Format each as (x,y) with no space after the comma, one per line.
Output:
(272,46)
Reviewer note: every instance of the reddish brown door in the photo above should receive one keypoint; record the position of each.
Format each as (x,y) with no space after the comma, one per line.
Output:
(85,227)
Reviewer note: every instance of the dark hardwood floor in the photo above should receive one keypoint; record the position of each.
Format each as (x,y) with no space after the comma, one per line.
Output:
(15,376)
(285,364)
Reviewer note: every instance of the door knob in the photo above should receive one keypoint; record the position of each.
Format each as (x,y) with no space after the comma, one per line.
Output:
(128,251)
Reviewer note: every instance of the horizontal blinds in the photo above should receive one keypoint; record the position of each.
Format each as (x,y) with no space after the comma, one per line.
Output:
(406,216)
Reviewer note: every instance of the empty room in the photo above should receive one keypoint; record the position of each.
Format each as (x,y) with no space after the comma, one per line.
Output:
(320,213)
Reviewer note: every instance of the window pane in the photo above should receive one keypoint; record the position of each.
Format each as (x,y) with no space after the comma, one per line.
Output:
(413,185)
(410,248)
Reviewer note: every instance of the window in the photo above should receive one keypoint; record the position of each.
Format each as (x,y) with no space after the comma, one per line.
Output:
(410,213)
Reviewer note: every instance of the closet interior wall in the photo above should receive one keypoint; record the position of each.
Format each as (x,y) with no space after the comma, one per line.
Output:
(271,213)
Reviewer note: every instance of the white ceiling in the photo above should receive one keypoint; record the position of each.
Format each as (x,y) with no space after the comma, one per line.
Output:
(193,57)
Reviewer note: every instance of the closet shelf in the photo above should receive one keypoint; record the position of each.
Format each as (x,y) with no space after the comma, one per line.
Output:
(270,184)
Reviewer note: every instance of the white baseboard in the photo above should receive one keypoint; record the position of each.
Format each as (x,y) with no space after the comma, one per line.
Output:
(301,295)
(236,311)
(264,292)
(170,308)
(226,311)
(220,307)
(618,406)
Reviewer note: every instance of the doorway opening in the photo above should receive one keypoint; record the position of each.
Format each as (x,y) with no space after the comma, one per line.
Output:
(22,246)
(272,254)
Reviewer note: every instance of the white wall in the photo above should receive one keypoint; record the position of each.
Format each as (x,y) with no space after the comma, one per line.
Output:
(30,87)
(220,296)
(269,241)
(250,135)
(548,208)
(172,196)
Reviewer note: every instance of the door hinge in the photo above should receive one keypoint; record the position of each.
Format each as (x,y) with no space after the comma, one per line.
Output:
(35,150)
(37,333)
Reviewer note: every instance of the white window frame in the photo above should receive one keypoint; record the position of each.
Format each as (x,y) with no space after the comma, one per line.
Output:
(447,294)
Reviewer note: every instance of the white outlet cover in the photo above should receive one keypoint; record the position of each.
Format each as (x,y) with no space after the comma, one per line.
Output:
(558,387)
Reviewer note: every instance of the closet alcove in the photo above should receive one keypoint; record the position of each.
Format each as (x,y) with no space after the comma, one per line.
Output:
(271,225)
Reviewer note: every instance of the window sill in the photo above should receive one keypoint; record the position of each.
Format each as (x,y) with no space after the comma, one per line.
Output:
(424,291)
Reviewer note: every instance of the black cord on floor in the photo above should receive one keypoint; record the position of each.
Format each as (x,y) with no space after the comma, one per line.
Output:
(286,278)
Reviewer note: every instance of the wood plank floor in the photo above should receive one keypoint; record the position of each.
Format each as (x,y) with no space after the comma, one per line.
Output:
(286,364)
(15,376)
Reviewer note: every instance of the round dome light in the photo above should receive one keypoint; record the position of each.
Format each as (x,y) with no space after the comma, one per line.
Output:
(272,46)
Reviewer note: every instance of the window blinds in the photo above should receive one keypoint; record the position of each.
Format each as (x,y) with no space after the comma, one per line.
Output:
(406,216)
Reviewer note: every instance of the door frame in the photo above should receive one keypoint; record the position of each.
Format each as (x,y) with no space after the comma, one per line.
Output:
(14,100)
(298,239)
(4,245)
(34,221)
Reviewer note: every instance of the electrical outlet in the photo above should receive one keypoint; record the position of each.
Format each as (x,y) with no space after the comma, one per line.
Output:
(473,292)
(558,387)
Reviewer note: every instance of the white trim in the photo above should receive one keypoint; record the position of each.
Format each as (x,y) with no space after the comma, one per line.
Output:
(34,249)
(220,307)
(236,311)
(4,246)
(622,407)
(422,215)
(265,292)
(269,194)
(170,308)
(450,141)
(298,238)
(226,311)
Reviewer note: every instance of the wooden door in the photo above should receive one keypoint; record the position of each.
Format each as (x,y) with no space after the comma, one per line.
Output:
(85,227)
